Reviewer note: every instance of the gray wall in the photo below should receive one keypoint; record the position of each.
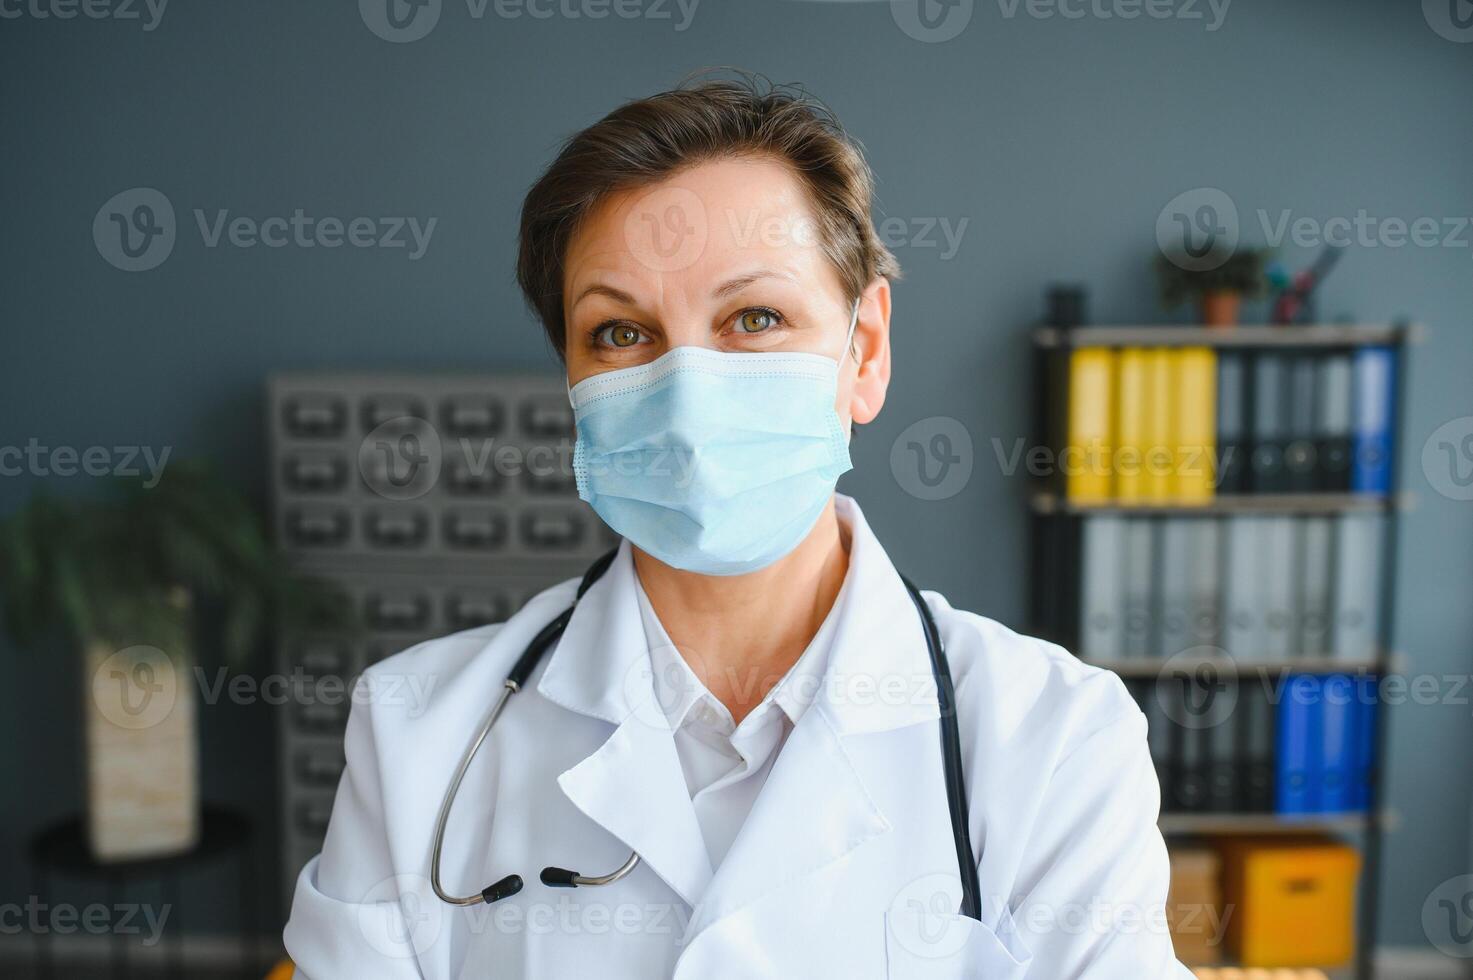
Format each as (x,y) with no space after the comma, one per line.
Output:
(1058,140)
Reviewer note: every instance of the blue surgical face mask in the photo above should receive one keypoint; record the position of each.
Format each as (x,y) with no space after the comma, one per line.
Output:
(712,462)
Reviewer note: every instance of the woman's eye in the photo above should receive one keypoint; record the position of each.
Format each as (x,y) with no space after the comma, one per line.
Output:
(756,321)
(618,335)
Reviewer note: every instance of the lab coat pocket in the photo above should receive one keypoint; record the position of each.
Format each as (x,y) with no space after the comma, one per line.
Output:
(923,944)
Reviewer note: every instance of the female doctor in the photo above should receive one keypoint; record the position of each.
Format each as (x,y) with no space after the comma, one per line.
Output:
(740,738)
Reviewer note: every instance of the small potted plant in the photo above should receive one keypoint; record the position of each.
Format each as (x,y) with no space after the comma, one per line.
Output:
(119,577)
(1219,291)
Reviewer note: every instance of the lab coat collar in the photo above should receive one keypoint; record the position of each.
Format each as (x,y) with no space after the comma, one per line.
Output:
(878,676)
(815,807)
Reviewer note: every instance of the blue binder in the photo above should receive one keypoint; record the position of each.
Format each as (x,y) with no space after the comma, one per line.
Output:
(1339,712)
(1297,774)
(1368,691)
(1371,468)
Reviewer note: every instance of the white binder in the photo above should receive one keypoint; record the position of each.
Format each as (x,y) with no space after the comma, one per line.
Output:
(1276,567)
(1313,608)
(1102,599)
(1203,582)
(1357,598)
(1139,607)
(1242,616)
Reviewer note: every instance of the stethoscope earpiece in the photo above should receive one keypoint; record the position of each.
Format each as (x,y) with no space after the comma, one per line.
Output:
(505,888)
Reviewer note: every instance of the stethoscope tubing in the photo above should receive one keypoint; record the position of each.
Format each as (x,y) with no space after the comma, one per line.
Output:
(951,757)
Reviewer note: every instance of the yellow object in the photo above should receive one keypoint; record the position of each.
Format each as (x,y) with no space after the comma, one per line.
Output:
(282,971)
(1193,405)
(1087,454)
(1156,437)
(1292,903)
(1233,973)
(1130,424)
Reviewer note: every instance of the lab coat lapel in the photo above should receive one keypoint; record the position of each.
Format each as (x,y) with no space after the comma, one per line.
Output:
(632,785)
(634,788)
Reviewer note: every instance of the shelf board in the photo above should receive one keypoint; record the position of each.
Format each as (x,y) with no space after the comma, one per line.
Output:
(1213,971)
(1264,823)
(1147,667)
(1320,335)
(1047,502)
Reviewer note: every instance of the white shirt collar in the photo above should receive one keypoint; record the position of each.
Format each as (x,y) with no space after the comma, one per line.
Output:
(679,692)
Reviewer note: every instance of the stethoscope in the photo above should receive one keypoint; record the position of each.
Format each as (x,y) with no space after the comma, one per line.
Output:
(951,760)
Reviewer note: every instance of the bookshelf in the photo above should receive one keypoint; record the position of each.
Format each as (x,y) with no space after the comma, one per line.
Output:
(1150,667)
(1215,824)
(1057,565)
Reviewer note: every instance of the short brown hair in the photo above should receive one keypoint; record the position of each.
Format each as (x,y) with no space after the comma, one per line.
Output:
(646,140)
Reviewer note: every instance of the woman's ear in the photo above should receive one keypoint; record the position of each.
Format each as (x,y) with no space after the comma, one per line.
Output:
(871,349)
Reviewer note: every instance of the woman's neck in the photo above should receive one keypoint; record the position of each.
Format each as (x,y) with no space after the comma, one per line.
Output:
(741,633)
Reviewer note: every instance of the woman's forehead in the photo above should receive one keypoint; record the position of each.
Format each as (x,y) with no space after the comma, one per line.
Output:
(704,224)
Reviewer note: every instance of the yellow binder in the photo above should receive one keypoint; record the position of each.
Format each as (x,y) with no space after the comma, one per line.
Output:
(1087,451)
(1159,458)
(1130,424)
(1194,421)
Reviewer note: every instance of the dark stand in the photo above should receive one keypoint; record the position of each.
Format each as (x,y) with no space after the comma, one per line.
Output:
(62,849)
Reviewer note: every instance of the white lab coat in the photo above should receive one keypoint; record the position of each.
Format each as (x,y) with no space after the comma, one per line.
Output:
(846,865)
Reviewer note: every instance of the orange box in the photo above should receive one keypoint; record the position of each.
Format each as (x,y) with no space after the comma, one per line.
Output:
(1290,902)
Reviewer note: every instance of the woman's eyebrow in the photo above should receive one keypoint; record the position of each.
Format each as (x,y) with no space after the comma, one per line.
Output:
(599,289)
(737,284)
